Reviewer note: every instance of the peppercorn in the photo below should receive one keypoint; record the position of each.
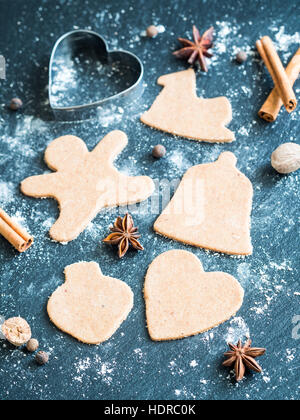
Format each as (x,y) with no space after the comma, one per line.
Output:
(159,151)
(15,104)
(241,57)
(152,31)
(42,358)
(32,345)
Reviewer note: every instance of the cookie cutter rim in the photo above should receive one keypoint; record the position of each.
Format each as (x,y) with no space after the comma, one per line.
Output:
(101,102)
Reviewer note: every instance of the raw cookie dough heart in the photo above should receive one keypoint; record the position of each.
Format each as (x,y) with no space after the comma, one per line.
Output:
(183,300)
(178,110)
(211,208)
(90,306)
(85,182)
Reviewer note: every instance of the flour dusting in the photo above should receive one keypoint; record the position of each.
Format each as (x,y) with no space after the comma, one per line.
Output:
(238,330)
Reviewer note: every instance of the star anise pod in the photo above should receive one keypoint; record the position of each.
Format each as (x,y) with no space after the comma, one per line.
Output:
(242,356)
(124,234)
(198,49)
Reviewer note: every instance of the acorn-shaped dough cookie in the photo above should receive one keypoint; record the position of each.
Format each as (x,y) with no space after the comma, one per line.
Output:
(90,306)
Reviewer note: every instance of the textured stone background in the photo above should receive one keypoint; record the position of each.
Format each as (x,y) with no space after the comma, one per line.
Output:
(130,365)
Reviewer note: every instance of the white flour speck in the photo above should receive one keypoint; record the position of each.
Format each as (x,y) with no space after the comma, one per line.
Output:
(6,192)
(238,330)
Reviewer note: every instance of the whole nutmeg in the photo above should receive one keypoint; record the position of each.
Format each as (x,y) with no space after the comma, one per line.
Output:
(159,151)
(15,104)
(32,345)
(241,57)
(42,358)
(152,31)
(286,158)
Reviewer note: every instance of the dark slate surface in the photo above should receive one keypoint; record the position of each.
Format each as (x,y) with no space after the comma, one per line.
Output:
(130,365)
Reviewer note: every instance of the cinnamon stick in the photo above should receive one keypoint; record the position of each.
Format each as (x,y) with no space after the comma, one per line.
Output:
(16,235)
(270,109)
(273,63)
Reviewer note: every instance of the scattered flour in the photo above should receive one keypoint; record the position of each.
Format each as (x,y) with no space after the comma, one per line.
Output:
(266,379)
(284,41)
(7,190)
(20,219)
(94,366)
(2,319)
(178,159)
(185,393)
(238,330)
(109,115)
(291,354)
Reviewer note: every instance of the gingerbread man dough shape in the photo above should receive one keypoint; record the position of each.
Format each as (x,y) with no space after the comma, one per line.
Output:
(183,300)
(85,182)
(90,306)
(211,208)
(178,110)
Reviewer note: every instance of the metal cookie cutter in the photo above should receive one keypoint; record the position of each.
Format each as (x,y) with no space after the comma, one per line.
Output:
(84,75)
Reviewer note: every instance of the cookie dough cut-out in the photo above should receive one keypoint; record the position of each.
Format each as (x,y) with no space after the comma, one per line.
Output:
(183,300)
(90,306)
(85,182)
(178,110)
(211,208)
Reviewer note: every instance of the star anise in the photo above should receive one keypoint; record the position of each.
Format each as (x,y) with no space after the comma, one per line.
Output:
(124,234)
(198,49)
(242,356)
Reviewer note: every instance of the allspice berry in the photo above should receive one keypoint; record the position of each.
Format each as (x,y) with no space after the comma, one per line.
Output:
(159,151)
(15,104)
(32,345)
(152,31)
(42,358)
(241,57)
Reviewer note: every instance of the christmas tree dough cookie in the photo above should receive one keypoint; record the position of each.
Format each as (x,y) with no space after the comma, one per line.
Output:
(90,306)
(183,300)
(211,208)
(85,182)
(178,110)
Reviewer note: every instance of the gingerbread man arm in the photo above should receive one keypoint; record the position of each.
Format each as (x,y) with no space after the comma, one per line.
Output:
(62,154)
(110,146)
(40,186)
(134,189)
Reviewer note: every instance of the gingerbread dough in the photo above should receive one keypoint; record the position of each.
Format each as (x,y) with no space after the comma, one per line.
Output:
(211,208)
(183,300)
(90,306)
(85,182)
(178,110)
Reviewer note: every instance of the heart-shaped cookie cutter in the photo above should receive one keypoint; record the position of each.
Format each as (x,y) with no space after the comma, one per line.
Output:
(65,51)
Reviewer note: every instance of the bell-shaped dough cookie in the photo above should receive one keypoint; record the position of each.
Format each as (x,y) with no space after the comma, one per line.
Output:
(183,300)
(178,110)
(211,208)
(90,306)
